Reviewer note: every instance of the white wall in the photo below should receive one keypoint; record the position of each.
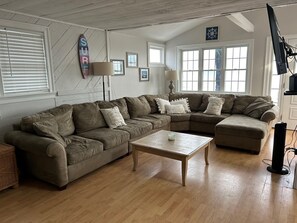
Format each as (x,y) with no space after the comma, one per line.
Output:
(129,85)
(228,31)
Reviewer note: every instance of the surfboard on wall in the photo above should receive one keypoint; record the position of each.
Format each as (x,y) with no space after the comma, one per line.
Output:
(83,53)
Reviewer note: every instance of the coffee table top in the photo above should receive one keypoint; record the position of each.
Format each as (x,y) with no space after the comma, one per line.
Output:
(184,143)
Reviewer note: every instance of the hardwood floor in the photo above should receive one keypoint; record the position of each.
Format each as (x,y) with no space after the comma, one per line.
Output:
(235,187)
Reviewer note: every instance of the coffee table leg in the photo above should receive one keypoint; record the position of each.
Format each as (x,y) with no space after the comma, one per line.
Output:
(184,170)
(206,154)
(135,158)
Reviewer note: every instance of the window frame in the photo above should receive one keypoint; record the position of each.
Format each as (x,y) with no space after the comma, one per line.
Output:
(25,96)
(249,43)
(159,46)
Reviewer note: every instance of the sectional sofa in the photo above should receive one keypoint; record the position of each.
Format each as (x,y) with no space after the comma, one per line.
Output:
(83,142)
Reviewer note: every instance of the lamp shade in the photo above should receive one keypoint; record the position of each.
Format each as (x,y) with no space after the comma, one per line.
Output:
(171,75)
(103,68)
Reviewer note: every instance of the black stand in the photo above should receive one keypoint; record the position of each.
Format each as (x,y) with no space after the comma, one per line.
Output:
(278,149)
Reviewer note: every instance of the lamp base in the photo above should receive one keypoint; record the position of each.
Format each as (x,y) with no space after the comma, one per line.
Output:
(171,87)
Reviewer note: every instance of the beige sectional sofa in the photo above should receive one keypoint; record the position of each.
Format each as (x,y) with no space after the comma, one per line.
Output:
(83,142)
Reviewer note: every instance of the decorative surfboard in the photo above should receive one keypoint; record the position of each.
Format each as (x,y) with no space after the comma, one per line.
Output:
(83,53)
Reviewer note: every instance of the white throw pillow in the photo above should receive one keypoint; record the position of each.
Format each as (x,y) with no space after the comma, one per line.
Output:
(175,109)
(113,117)
(214,106)
(161,105)
(182,101)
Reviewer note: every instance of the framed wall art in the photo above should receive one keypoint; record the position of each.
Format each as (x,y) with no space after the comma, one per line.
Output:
(118,67)
(144,74)
(212,33)
(132,60)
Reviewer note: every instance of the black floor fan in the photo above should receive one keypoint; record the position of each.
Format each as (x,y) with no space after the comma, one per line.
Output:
(278,149)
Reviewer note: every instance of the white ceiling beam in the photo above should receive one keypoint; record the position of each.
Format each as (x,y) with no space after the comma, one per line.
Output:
(241,21)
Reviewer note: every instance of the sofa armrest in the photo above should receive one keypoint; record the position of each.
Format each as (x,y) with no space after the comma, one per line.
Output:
(34,144)
(45,158)
(270,114)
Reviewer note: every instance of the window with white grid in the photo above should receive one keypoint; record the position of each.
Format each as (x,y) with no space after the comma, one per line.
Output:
(236,69)
(190,70)
(212,65)
(23,62)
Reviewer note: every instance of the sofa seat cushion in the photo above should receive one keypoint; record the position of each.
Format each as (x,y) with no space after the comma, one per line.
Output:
(244,126)
(206,118)
(180,117)
(157,120)
(109,137)
(81,149)
(136,128)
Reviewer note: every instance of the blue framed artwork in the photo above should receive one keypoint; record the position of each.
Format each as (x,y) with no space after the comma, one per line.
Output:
(212,33)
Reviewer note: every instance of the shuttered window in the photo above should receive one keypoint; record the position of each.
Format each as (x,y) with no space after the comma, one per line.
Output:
(23,63)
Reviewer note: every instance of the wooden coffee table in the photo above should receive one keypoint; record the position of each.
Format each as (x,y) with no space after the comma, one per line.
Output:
(182,148)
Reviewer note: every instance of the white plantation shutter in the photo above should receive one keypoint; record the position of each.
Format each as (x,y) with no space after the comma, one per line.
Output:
(23,64)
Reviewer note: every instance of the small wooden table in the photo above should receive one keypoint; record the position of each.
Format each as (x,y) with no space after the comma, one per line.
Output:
(182,148)
(8,168)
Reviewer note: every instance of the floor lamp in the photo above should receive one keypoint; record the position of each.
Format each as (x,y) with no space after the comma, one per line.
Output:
(171,75)
(103,69)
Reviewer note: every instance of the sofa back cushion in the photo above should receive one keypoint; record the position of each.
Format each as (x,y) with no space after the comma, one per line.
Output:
(241,102)
(63,116)
(194,99)
(257,108)
(151,99)
(120,103)
(228,102)
(27,122)
(87,116)
(138,106)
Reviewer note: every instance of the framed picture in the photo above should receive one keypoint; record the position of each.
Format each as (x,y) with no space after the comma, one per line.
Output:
(144,74)
(132,60)
(118,67)
(212,33)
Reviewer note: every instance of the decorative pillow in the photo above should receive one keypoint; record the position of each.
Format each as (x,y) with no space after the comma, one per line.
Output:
(48,128)
(161,105)
(113,117)
(120,103)
(182,101)
(175,109)
(138,106)
(257,108)
(214,106)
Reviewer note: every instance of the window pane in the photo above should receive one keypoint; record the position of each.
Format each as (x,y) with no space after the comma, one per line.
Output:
(230,53)
(185,65)
(242,75)
(190,55)
(195,86)
(205,64)
(155,55)
(229,64)
(185,55)
(189,86)
(275,81)
(204,87)
(236,52)
(235,64)
(228,76)
(227,86)
(234,87)
(206,54)
(242,64)
(243,52)
(195,76)
(235,75)
(212,54)
(196,55)
(241,87)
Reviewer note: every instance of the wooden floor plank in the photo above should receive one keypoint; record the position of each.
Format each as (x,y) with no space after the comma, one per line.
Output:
(235,187)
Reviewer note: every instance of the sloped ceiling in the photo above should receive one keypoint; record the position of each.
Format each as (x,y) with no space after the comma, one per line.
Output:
(125,14)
